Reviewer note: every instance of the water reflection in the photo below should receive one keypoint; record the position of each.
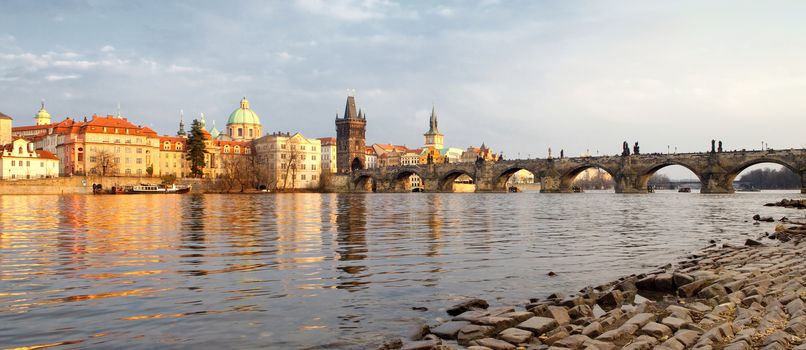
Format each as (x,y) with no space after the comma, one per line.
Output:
(351,227)
(327,270)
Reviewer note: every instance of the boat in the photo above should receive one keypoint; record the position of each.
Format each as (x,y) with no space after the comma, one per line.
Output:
(514,189)
(160,189)
(577,189)
(746,188)
(650,189)
(684,189)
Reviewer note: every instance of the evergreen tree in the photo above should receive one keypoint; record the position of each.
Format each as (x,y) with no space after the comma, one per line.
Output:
(195,149)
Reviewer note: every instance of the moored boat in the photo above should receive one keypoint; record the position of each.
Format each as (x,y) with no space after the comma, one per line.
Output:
(153,188)
(684,189)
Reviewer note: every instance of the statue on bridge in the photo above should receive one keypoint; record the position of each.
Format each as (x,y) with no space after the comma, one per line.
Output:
(635,149)
(713,146)
(720,147)
(562,153)
(625,149)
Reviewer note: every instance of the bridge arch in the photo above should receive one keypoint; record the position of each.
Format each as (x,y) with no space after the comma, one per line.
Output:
(400,181)
(738,169)
(643,179)
(500,181)
(446,181)
(365,183)
(567,179)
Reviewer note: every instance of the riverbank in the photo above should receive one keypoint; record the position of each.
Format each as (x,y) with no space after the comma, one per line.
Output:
(723,297)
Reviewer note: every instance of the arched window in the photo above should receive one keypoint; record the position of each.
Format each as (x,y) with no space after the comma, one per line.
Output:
(166,145)
(230,132)
(19,150)
(226,148)
(250,132)
(240,132)
(237,149)
(178,146)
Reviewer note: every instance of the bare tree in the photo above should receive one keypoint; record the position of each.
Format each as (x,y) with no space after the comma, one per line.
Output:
(290,164)
(105,163)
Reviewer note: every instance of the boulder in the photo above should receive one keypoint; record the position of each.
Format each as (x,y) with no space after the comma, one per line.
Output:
(467,305)
(515,335)
(448,330)
(495,344)
(538,325)
(664,282)
(473,332)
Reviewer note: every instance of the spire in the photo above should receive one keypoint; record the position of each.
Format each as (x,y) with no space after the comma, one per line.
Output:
(181,131)
(433,129)
(119,116)
(360,114)
(204,123)
(349,109)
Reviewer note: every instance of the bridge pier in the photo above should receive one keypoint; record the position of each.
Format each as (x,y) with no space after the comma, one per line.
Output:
(551,184)
(717,183)
(803,182)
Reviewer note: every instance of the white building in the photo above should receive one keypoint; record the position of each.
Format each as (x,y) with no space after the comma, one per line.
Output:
(292,161)
(19,160)
(328,154)
(370,159)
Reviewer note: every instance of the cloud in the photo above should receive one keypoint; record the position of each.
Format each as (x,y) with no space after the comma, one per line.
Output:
(182,69)
(355,10)
(55,77)
(108,48)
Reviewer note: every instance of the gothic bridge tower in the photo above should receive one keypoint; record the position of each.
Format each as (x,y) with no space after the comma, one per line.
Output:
(350,138)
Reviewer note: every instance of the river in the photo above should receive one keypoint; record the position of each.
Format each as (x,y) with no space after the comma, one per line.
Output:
(314,271)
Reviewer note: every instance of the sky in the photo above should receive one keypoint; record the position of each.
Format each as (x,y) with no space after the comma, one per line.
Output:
(520,76)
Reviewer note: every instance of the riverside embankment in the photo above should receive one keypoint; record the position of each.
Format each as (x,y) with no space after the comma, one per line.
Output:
(723,297)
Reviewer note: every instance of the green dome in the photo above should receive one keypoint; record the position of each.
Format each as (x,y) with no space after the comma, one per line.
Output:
(42,113)
(244,115)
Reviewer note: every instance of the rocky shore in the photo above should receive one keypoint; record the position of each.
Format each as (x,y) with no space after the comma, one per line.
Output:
(724,297)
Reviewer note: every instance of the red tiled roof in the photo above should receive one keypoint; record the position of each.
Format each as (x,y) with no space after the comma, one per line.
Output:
(327,141)
(46,155)
(31,127)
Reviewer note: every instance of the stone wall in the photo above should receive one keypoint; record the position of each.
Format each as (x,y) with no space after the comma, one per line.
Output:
(83,184)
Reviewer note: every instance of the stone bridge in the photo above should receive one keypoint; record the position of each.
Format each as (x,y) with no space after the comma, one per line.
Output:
(715,170)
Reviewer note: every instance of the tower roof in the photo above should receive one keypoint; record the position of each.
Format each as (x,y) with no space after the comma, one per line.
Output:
(349,109)
(42,113)
(433,129)
(243,115)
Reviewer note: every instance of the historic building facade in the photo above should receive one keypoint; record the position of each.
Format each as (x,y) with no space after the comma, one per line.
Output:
(5,129)
(19,160)
(291,161)
(329,156)
(351,138)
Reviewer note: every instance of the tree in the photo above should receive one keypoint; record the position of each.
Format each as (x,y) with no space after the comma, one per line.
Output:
(150,170)
(772,179)
(289,164)
(106,165)
(659,181)
(196,149)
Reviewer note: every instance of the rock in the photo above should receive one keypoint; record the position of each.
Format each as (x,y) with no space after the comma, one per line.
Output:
(681,279)
(641,319)
(538,325)
(572,342)
(692,288)
(656,330)
(421,344)
(613,298)
(448,330)
(471,315)
(646,283)
(719,334)
(473,332)
(391,344)
(752,242)
(499,323)
(555,336)
(664,282)
(674,323)
(476,347)
(598,311)
(419,331)
(715,290)
(593,329)
(467,305)
(551,274)
(495,344)
(779,337)
(687,337)
(580,311)
(739,345)
(515,335)
(518,316)
(558,313)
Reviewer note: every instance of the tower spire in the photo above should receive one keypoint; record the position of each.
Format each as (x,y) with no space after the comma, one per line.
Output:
(181,131)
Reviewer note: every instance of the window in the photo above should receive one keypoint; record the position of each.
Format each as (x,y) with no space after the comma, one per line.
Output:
(237,150)
(12,163)
(19,150)
(117,160)
(313,177)
(139,150)
(250,132)
(303,166)
(226,148)
(240,132)
(41,164)
(128,150)
(93,159)
(166,145)
(139,160)
(302,177)
(313,157)
(28,163)
(302,147)
(139,171)
(313,166)
(282,156)
(282,146)
(128,171)
(178,146)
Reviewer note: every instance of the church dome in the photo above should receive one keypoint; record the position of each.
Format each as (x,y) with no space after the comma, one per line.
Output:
(244,115)
(43,113)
